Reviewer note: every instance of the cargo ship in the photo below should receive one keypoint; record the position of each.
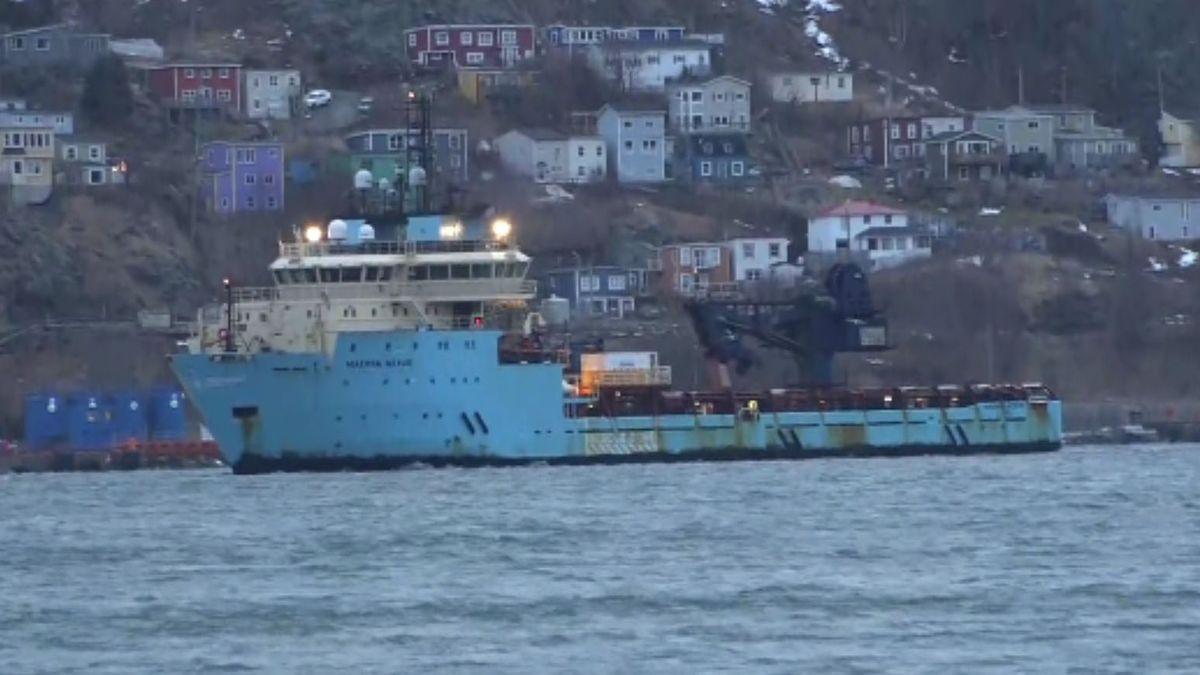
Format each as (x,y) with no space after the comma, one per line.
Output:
(378,349)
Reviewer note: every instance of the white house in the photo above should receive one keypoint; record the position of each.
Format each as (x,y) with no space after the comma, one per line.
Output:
(811,87)
(272,94)
(649,66)
(636,141)
(752,259)
(548,156)
(878,233)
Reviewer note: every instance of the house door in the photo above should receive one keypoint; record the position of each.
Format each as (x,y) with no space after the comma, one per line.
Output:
(509,55)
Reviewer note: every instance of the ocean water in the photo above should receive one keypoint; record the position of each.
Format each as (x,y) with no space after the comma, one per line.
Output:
(1082,561)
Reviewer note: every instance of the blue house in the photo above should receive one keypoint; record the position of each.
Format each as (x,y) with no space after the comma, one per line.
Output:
(579,36)
(717,159)
(600,290)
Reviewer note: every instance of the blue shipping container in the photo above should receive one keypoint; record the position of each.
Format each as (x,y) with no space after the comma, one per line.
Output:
(45,421)
(168,415)
(91,422)
(131,416)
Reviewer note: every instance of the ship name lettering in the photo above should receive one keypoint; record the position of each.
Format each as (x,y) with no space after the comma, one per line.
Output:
(376,363)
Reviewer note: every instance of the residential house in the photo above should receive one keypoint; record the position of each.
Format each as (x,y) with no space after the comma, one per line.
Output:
(58,44)
(470,45)
(242,177)
(27,163)
(10,104)
(63,123)
(601,290)
(716,104)
(85,161)
(382,152)
(548,156)
(933,125)
(484,84)
(964,156)
(719,159)
(1082,144)
(201,86)
(891,141)
(1161,218)
(800,87)
(752,259)
(559,35)
(879,234)
(650,66)
(272,94)
(691,269)
(636,142)
(1181,141)
(1025,134)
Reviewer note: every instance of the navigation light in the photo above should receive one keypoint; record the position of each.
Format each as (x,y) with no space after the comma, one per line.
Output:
(501,228)
(312,233)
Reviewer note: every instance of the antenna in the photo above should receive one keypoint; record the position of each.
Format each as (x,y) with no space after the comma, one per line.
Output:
(1020,85)
(418,148)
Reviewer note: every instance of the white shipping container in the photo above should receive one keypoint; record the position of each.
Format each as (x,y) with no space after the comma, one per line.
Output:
(619,361)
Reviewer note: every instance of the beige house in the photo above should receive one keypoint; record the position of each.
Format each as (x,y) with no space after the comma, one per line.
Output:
(798,87)
(548,156)
(27,163)
(272,94)
(1181,141)
(710,105)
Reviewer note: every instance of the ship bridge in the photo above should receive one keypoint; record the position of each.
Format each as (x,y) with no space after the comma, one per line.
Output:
(343,279)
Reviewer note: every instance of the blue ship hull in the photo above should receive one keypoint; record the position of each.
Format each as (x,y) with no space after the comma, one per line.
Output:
(384,400)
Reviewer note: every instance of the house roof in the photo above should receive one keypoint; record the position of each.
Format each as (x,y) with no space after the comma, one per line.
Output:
(196,64)
(633,109)
(892,231)
(691,80)
(51,26)
(1099,133)
(642,46)
(1055,108)
(950,136)
(851,207)
(540,134)
(439,26)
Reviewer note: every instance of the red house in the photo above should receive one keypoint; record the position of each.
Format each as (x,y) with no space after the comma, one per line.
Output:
(197,86)
(470,46)
(885,141)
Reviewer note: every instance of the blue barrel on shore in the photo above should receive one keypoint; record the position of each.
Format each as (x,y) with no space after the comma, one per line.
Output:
(91,422)
(46,418)
(168,415)
(131,416)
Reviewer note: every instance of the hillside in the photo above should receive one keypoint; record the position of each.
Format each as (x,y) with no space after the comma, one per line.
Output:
(1079,312)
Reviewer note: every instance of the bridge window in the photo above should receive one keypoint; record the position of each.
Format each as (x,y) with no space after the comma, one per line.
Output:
(372,273)
(439,272)
(460,271)
(351,274)
(330,275)
(280,277)
(385,273)
(310,276)
(481,271)
(418,273)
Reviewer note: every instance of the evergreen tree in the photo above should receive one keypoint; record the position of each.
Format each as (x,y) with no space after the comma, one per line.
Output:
(107,98)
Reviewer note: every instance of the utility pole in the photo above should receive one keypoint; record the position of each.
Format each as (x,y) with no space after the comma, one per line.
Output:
(1063,86)
(1020,85)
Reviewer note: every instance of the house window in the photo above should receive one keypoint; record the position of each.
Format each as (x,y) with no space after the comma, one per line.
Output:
(206,73)
(474,58)
(1034,125)
(16,43)
(964,173)
(616,282)
(247,156)
(753,275)
(649,146)
(95,176)
(579,151)
(508,37)
(774,250)
(18,168)
(42,44)
(889,244)
(71,152)
(737,169)
(628,124)
(189,72)
(273,80)
(412,39)
(486,39)
(895,132)
(250,179)
(250,202)
(224,203)
(912,130)
(841,83)
(187,95)
(854,134)
(628,146)
(455,162)
(393,142)
(678,58)
(748,250)
(866,220)
(466,38)
(269,179)
(872,244)
(94,152)
(441,38)
(705,168)
(581,172)
(272,202)
(224,95)
(223,73)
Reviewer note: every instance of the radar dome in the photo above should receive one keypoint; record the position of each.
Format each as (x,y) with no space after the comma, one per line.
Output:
(385,184)
(337,230)
(416,176)
(366,233)
(363,180)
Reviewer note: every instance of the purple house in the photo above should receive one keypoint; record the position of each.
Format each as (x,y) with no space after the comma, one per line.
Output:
(242,177)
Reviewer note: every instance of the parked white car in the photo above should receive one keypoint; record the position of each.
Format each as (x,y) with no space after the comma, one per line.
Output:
(318,98)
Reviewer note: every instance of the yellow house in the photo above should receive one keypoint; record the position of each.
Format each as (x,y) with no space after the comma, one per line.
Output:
(27,163)
(1181,141)
(476,85)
